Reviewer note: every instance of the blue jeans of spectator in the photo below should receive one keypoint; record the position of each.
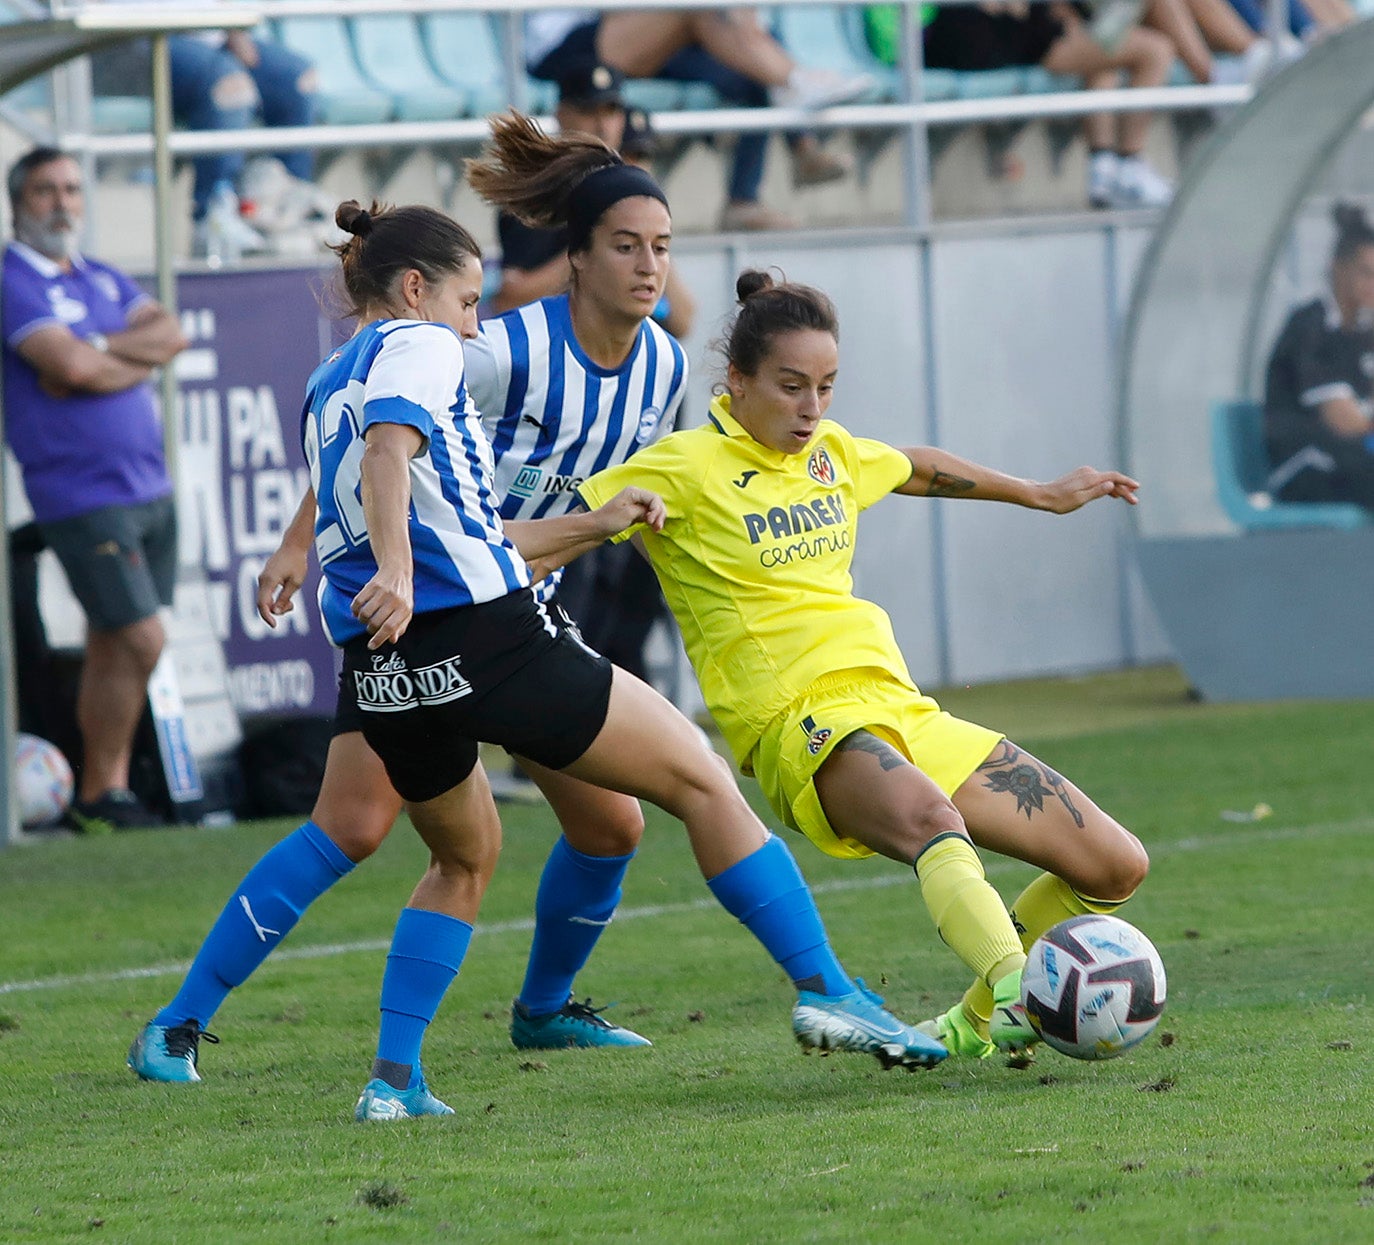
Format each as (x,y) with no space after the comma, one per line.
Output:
(695,64)
(199,67)
(1254,14)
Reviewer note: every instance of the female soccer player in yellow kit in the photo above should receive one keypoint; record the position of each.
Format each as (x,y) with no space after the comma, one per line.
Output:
(806,681)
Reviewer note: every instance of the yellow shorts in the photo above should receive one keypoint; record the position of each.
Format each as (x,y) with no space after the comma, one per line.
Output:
(796,743)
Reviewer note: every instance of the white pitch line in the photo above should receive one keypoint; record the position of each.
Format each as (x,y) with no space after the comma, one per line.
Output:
(1237,836)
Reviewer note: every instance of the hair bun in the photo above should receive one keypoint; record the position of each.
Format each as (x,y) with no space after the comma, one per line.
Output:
(353,218)
(750,282)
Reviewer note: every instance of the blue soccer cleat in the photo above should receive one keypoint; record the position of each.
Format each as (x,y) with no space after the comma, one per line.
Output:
(168,1052)
(381,1103)
(573,1025)
(859,1022)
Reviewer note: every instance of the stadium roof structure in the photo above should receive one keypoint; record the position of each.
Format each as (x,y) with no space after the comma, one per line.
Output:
(1254,612)
(34,45)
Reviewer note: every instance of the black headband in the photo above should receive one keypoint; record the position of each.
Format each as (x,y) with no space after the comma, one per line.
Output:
(596,192)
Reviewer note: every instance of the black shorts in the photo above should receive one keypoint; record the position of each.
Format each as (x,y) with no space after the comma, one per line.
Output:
(578,45)
(507,672)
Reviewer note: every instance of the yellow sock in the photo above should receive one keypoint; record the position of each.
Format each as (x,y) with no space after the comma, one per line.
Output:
(1044,903)
(968,912)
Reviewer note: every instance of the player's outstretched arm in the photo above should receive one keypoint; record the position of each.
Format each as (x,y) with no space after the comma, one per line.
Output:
(547,544)
(285,571)
(387,601)
(938,473)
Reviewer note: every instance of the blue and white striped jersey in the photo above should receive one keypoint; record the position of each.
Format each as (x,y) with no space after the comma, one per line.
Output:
(554,417)
(405,372)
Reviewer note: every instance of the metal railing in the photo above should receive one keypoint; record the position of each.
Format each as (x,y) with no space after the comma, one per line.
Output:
(913,115)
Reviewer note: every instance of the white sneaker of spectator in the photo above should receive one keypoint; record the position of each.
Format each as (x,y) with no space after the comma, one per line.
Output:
(1140,184)
(1261,59)
(222,236)
(280,201)
(1102,170)
(812,88)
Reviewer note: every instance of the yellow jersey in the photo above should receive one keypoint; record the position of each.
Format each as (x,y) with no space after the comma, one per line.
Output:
(754,561)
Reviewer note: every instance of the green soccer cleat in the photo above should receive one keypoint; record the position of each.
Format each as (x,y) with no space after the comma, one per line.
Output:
(956,1031)
(381,1103)
(168,1053)
(573,1025)
(1010,1028)
(859,1022)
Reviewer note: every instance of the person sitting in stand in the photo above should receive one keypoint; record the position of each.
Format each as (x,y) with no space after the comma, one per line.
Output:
(1319,391)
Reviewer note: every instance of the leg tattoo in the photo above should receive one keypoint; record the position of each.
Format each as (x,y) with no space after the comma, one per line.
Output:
(866,741)
(1009,769)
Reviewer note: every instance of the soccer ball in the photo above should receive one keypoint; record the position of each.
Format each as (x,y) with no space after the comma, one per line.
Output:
(1093,987)
(42,781)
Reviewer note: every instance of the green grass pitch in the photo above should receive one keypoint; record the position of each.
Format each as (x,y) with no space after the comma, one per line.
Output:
(1248,1117)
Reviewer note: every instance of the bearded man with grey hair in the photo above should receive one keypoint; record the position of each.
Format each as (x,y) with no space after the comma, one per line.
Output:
(81,340)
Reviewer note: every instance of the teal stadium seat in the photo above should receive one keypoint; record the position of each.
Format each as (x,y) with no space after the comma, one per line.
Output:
(466,54)
(1242,470)
(1041,82)
(391,56)
(655,94)
(989,83)
(345,97)
(815,34)
(938,84)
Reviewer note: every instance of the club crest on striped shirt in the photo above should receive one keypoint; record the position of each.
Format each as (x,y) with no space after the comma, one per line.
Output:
(648,421)
(819,467)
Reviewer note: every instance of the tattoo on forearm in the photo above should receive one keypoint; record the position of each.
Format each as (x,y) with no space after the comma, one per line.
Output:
(943,484)
(1011,770)
(866,741)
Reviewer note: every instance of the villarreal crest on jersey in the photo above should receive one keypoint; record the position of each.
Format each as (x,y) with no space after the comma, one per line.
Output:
(755,561)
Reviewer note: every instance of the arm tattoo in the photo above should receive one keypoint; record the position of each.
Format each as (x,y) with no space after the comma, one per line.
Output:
(866,741)
(1009,769)
(943,484)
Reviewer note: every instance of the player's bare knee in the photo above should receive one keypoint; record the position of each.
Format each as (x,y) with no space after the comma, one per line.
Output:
(357,836)
(1115,875)
(921,824)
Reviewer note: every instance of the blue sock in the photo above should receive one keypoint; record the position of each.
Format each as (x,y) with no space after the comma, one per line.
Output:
(767,892)
(577,897)
(427,950)
(264,909)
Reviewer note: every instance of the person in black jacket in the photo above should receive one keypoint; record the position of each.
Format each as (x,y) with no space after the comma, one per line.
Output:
(1319,391)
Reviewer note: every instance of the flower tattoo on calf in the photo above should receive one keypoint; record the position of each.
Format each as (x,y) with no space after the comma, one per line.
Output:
(1011,770)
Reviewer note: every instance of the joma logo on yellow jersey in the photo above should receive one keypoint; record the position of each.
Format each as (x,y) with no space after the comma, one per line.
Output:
(781,522)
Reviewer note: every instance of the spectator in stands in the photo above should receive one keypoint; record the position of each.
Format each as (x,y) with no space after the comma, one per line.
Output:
(1319,391)
(80,343)
(220,79)
(1056,37)
(726,49)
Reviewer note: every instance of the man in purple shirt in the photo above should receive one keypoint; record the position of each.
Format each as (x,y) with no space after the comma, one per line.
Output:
(80,342)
